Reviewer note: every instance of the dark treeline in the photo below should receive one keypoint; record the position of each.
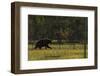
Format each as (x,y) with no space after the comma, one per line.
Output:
(68,29)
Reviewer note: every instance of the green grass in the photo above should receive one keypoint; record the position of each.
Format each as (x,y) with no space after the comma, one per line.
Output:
(57,52)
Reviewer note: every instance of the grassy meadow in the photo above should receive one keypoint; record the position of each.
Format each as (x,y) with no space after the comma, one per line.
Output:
(68,31)
(64,51)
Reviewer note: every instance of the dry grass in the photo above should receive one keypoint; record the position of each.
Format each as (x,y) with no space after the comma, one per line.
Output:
(57,52)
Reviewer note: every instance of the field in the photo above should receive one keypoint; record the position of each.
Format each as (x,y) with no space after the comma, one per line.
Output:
(68,36)
(65,51)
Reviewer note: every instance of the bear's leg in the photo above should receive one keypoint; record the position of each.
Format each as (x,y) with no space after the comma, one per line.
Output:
(40,47)
(47,46)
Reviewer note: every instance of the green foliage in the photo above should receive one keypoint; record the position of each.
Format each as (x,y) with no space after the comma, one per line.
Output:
(71,29)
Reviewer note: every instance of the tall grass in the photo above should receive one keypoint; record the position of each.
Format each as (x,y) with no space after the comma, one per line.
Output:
(65,51)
